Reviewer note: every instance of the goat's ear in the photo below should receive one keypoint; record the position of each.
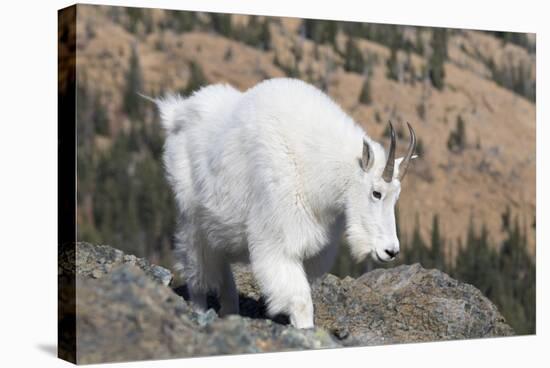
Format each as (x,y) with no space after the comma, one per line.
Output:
(368,155)
(168,107)
(398,162)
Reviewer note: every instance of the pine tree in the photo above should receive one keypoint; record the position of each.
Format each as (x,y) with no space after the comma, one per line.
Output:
(505,219)
(365,96)
(353,58)
(457,138)
(221,23)
(436,251)
(506,277)
(417,250)
(392,65)
(179,21)
(132,103)
(135,16)
(196,79)
(320,31)
(465,260)
(438,57)
(419,41)
(100,118)
(484,263)
(264,36)
(346,265)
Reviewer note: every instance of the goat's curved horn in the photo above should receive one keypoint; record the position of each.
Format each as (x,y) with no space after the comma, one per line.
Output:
(387,175)
(410,151)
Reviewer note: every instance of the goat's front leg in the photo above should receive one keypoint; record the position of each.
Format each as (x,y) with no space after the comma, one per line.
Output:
(284,283)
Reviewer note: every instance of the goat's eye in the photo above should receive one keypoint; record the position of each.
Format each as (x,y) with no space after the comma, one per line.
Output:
(376,194)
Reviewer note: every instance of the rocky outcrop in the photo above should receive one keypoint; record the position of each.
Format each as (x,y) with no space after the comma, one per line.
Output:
(398,305)
(126,311)
(405,304)
(97,260)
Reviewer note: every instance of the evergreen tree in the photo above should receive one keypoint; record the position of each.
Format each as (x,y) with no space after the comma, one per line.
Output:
(506,277)
(346,265)
(466,266)
(264,37)
(320,31)
(100,118)
(457,138)
(353,57)
(505,219)
(516,38)
(365,95)
(419,41)
(132,103)
(438,57)
(436,251)
(409,70)
(392,65)
(196,79)
(221,23)
(290,71)
(485,257)
(515,77)
(417,251)
(180,21)
(135,16)
(256,33)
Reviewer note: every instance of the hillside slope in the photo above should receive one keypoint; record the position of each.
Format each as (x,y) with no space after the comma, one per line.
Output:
(494,169)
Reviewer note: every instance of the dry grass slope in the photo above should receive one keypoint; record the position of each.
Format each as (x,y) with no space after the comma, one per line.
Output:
(496,169)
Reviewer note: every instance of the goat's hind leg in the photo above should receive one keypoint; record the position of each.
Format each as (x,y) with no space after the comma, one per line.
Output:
(204,270)
(191,266)
(228,294)
(214,274)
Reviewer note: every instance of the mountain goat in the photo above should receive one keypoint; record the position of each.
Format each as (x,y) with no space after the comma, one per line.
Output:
(274,176)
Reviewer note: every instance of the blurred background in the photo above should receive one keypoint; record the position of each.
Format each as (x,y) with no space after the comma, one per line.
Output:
(468,203)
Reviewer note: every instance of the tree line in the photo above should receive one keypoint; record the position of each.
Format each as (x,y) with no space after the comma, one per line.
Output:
(122,196)
(429,43)
(505,272)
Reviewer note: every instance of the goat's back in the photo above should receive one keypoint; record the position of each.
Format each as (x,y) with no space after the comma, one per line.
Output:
(228,151)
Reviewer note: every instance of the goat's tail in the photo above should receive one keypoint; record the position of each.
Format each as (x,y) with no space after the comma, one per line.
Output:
(168,106)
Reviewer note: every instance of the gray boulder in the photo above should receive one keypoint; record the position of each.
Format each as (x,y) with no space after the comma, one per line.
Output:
(126,311)
(398,305)
(405,304)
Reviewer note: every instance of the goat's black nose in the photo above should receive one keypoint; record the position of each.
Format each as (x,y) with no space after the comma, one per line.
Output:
(392,253)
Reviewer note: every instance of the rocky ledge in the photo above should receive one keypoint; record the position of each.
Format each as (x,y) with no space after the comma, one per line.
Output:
(126,310)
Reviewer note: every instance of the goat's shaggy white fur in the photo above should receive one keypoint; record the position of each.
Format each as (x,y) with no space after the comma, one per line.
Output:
(272,176)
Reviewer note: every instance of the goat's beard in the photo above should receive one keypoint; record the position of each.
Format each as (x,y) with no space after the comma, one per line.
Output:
(359,243)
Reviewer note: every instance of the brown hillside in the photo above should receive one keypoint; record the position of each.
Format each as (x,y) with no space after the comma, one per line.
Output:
(495,170)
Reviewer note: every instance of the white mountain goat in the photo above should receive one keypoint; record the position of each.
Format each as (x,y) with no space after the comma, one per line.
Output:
(273,176)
